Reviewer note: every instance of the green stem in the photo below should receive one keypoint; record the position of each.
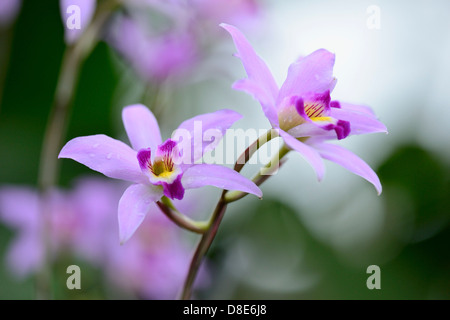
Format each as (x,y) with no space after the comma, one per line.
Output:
(6,36)
(216,218)
(263,174)
(203,246)
(247,154)
(73,58)
(180,219)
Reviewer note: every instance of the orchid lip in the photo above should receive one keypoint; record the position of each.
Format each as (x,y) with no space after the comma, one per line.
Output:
(288,114)
(295,111)
(165,177)
(313,108)
(162,170)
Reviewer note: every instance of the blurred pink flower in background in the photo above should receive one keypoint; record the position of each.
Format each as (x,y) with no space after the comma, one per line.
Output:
(76,16)
(167,39)
(240,12)
(94,202)
(154,263)
(9,9)
(244,13)
(19,208)
(83,223)
(155,57)
(76,220)
(151,265)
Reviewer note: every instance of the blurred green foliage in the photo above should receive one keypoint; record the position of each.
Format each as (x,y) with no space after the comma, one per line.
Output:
(36,54)
(419,268)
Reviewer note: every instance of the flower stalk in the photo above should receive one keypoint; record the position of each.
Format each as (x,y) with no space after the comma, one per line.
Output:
(248,153)
(73,58)
(180,219)
(226,198)
(263,174)
(203,246)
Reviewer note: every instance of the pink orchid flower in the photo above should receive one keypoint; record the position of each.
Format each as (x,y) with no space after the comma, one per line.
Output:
(157,169)
(302,111)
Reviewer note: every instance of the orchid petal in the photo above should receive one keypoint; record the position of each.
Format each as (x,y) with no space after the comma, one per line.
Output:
(257,92)
(357,108)
(360,123)
(134,205)
(313,73)
(260,82)
(333,129)
(308,153)
(311,129)
(141,127)
(106,155)
(218,176)
(349,161)
(192,133)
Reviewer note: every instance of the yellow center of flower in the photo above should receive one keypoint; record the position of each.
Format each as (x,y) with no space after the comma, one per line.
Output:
(289,117)
(162,168)
(315,111)
(321,119)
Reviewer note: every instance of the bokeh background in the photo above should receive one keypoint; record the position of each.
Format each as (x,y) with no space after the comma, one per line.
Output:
(305,240)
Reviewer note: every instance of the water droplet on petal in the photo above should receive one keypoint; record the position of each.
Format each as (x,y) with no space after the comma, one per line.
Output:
(92,155)
(109,156)
(96,145)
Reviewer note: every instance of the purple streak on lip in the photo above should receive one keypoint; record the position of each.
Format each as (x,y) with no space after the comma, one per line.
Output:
(165,150)
(144,158)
